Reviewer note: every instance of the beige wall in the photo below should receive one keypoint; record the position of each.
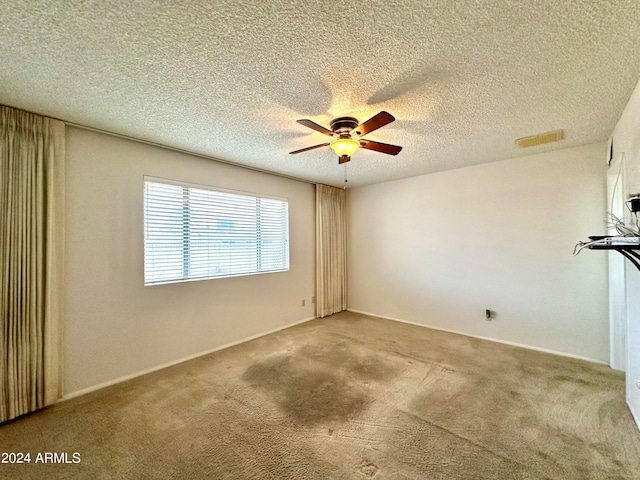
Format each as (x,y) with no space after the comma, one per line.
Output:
(439,249)
(115,326)
(626,141)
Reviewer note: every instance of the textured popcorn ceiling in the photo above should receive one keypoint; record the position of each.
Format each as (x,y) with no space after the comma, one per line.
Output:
(228,79)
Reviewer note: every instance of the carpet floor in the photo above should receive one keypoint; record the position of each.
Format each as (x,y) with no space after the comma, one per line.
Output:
(348,396)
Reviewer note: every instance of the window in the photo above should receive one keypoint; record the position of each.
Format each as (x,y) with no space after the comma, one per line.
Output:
(196,233)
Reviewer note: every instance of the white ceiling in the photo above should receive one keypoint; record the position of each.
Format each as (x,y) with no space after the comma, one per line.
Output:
(228,79)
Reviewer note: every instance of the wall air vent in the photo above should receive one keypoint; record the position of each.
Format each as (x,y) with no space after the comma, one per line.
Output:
(540,139)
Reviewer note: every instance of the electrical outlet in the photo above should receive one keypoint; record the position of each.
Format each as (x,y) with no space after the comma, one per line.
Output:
(304,302)
(313,299)
(488,314)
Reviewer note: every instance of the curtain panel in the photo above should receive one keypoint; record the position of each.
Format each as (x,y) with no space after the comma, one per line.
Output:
(331,250)
(31,260)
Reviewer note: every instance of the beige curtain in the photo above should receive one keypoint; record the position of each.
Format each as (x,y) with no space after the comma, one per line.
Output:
(331,250)
(31,249)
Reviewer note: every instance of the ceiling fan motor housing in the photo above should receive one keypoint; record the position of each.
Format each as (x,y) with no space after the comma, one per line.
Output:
(342,125)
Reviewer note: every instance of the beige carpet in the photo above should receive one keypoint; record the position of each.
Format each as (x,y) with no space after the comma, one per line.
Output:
(347,397)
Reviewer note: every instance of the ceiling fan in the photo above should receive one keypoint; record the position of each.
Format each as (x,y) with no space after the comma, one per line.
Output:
(348,135)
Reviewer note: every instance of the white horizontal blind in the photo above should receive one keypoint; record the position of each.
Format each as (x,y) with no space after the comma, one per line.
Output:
(196,233)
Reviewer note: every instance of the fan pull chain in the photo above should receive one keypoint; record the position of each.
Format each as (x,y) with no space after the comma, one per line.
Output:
(345,177)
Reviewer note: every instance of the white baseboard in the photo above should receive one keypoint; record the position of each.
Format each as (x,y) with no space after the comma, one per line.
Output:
(633,414)
(496,340)
(84,391)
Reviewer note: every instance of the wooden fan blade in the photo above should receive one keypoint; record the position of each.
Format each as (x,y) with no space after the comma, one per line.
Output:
(309,148)
(380,147)
(374,123)
(315,126)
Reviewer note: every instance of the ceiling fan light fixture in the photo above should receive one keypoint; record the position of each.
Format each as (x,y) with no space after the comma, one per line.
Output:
(342,131)
(345,146)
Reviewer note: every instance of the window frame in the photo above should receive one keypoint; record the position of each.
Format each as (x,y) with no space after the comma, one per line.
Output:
(187,244)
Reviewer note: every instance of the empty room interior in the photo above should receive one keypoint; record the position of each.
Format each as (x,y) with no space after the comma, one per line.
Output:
(288,239)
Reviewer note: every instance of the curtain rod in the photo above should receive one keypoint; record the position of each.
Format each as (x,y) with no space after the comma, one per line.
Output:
(166,147)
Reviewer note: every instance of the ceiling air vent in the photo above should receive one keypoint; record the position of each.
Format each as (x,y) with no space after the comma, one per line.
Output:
(540,139)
